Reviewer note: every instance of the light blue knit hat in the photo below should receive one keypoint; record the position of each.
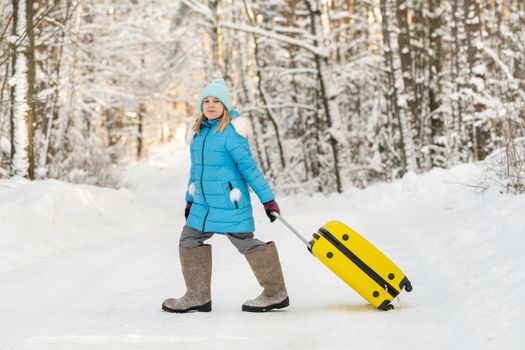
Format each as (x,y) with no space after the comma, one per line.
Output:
(217,88)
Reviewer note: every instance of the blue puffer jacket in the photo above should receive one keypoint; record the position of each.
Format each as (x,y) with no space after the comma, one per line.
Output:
(222,166)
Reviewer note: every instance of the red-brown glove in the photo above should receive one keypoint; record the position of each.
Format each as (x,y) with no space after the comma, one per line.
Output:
(271,206)
(187,210)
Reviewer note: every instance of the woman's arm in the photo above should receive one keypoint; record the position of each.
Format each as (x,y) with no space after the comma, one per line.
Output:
(239,149)
(190,190)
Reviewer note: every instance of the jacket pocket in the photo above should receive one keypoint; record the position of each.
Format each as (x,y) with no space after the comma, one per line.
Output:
(233,195)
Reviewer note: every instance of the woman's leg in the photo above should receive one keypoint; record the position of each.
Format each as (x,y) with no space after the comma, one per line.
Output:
(190,237)
(245,242)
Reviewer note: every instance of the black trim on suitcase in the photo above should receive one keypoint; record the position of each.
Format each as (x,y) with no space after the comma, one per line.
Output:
(359,263)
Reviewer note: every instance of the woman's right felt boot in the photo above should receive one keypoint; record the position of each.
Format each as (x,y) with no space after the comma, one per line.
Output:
(196,269)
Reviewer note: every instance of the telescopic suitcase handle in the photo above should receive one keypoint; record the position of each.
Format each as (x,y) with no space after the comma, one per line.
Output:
(287,224)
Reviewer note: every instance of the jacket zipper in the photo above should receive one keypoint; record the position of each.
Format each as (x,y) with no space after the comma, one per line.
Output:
(231,188)
(204,222)
(202,174)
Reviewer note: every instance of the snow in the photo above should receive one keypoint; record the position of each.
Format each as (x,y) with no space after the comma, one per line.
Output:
(503,67)
(5,145)
(83,267)
(203,10)
(317,50)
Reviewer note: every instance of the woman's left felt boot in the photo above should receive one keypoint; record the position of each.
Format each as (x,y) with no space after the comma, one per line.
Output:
(267,269)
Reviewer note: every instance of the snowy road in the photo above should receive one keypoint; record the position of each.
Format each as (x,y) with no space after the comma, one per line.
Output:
(94,274)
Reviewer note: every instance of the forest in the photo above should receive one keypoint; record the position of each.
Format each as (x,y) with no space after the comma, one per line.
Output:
(341,93)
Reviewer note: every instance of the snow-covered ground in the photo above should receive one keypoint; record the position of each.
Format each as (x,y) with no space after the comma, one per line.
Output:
(87,268)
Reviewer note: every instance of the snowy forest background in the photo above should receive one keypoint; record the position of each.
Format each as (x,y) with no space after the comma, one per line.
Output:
(339,93)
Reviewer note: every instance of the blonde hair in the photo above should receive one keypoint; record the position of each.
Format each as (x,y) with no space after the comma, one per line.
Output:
(221,126)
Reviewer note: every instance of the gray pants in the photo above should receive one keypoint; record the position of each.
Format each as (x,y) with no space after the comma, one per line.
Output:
(244,242)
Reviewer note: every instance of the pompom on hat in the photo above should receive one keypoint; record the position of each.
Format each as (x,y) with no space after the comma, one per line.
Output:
(217,88)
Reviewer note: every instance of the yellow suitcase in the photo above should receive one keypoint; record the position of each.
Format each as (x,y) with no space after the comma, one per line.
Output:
(357,262)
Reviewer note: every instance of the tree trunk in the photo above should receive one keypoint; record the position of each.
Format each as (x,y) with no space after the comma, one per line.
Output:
(218,63)
(12,101)
(244,73)
(329,104)
(140,130)
(48,123)
(265,98)
(476,76)
(22,162)
(459,143)
(303,132)
(435,68)
(421,122)
(392,93)
(405,55)
(30,57)
(249,100)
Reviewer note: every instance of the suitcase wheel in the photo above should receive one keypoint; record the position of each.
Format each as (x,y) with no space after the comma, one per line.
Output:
(405,283)
(408,287)
(386,306)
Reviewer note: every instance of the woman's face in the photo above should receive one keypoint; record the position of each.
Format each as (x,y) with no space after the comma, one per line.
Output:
(212,108)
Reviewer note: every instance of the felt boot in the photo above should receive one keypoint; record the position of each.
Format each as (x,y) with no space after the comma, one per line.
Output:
(267,269)
(196,269)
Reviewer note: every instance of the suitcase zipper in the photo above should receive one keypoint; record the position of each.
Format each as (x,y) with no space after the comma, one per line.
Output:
(359,263)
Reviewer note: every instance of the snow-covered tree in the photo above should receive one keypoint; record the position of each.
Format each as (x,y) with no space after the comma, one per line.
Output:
(22,85)
(339,93)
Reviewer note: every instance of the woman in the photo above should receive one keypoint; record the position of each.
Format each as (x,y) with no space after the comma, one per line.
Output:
(218,202)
